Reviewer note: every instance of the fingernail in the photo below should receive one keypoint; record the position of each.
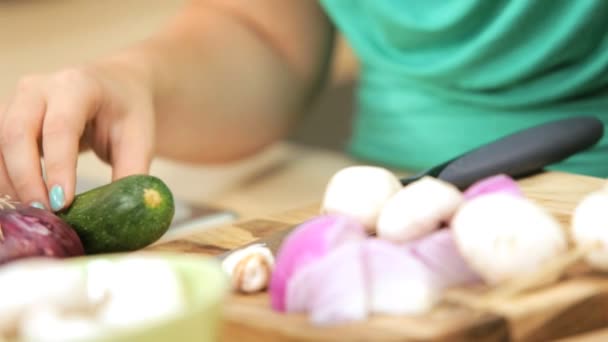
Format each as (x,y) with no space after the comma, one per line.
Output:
(37,204)
(57,198)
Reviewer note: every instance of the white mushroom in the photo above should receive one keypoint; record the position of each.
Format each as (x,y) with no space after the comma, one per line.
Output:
(49,300)
(50,324)
(249,268)
(360,192)
(32,282)
(590,228)
(418,209)
(503,236)
(130,284)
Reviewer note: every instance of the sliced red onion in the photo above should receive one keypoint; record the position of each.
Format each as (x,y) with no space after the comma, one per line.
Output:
(439,252)
(311,241)
(337,276)
(333,289)
(498,183)
(399,284)
(26,232)
(359,278)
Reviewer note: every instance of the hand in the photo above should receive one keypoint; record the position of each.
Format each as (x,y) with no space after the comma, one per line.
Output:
(55,116)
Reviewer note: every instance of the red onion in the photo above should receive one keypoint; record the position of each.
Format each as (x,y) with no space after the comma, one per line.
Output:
(399,283)
(311,241)
(329,269)
(439,252)
(374,276)
(333,289)
(493,184)
(26,232)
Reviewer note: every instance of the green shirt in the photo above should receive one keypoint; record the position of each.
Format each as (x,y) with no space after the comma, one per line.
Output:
(439,77)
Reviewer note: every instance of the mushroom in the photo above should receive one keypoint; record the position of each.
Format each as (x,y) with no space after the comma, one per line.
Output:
(32,282)
(250,268)
(53,324)
(360,192)
(590,228)
(503,236)
(126,297)
(418,209)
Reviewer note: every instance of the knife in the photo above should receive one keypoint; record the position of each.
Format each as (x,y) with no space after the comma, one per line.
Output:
(518,155)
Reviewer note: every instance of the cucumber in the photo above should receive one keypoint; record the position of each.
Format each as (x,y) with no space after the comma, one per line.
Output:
(125,215)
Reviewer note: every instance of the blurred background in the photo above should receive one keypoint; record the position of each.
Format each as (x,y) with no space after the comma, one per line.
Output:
(44,35)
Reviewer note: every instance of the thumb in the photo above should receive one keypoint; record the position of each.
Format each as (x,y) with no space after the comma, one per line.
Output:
(132,147)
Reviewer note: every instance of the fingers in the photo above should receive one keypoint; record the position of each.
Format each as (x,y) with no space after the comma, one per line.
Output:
(6,187)
(21,125)
(63,126)
(132,146)
(48,115)
(51,116)
(73,100)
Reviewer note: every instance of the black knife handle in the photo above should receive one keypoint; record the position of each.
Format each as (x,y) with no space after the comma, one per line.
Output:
(524,152)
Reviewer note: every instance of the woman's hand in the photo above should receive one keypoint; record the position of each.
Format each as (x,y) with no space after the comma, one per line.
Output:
(54,116)
(221,81)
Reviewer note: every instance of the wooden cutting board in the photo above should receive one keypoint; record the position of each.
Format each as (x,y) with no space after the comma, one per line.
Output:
(576,304)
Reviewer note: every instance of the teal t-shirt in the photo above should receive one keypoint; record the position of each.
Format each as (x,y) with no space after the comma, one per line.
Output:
(439,77)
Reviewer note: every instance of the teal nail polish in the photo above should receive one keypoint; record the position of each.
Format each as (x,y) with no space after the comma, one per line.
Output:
(37,204)
(57,198)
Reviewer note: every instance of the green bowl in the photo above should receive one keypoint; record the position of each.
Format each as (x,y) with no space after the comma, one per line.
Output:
(205,287)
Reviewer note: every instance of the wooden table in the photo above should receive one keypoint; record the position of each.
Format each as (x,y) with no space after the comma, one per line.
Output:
(573,306)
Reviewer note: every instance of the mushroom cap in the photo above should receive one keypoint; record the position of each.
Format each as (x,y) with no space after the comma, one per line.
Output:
(502,236)
(590,226)
(360,193)
(418,209)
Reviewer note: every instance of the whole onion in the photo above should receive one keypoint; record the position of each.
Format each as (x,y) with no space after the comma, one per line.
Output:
(27,232)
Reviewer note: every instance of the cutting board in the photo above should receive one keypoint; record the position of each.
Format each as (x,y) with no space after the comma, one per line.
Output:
(576,304)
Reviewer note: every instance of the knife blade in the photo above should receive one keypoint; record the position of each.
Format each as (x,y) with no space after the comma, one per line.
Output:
(518,155)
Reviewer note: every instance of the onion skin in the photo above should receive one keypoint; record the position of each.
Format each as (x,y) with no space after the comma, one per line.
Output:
(309,242)
(499,183)
(361,277)
(399,282)
(439,252)
(31,232)
(331,290)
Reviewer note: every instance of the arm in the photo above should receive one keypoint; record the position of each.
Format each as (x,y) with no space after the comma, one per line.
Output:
(222,80)
(230,77)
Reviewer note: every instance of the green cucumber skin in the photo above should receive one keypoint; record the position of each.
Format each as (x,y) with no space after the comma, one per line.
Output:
(115,218)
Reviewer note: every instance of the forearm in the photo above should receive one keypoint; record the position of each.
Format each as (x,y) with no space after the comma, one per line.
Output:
(224,84)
